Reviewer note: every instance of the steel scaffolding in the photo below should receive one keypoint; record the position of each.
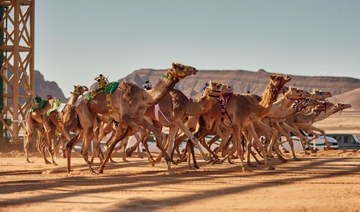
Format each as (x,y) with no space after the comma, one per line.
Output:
(17,24)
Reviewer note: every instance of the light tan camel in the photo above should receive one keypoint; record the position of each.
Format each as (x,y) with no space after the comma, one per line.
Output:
(66,121)
(36,119)
(127,106)
(177,108)
(299,106)
(320,95)
(309,128)
(242,112)
(182,108)
(301,119)
(270,125)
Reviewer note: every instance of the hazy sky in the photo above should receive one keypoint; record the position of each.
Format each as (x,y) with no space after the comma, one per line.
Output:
(78,39)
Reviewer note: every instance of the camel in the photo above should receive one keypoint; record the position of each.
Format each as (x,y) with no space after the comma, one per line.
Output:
(182,108)
(242,112)
(320,95)
(126,106)
(66,121)
(307,119)
(243,109)
(36,119)
(308,126)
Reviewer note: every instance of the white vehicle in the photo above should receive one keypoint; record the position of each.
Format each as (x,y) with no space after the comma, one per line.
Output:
(317,144)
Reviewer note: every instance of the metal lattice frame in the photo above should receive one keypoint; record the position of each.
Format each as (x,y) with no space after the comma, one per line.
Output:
(17,68)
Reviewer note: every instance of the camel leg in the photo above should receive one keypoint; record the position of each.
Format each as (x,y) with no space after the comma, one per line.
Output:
(160,138)
(69,146)
(238,145)
(28,138)
(193,139)
(51,137)
(119,135)
(88,135)
(288,138)
(169,147)
(260,145)
(292,128)
(46,144)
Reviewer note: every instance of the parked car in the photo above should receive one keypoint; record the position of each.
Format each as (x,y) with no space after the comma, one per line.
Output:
(318,143)
(346,141)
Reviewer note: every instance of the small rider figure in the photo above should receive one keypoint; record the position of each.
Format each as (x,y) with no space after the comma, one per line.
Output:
(102,82)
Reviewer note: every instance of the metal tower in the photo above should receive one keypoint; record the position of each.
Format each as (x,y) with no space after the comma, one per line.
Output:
(17,20)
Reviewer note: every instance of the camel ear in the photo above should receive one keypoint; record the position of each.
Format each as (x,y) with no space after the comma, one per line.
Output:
(273,76)
(174,65)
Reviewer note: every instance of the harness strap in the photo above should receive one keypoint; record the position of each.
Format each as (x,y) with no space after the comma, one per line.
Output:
(109,105)
(157,111)
(223,102)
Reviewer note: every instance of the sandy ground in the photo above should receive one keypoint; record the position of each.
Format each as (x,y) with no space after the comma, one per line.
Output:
(323,181)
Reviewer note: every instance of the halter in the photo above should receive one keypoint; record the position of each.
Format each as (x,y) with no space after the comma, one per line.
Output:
(223,102)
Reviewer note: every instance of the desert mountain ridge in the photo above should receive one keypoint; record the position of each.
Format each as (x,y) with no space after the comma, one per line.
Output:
(344,89)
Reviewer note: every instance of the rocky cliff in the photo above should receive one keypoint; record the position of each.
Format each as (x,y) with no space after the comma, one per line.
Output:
(344,89)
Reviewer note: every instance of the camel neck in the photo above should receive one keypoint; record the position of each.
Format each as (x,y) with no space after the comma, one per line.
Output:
(161,88)
(269,97)
(73,99)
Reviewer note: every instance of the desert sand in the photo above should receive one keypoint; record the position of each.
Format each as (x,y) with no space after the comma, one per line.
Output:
(322,181)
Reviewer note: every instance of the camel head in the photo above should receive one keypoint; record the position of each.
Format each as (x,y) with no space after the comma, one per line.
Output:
(215,89)
(277,81)
(79,90)
(323,106)
(341,106)
(180,71)
(320,95)
(295,93)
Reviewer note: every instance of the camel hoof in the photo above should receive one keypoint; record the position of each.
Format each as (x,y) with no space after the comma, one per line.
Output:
(100,171)
(269,167)
(124,160)
(48,162)
(251,165)
(170,173)
(231,162)
(196,166)
(270,156)
(217,161)
(129,152)
(94,172)
(297,159)
(152,163)
(54,163)
(244,169)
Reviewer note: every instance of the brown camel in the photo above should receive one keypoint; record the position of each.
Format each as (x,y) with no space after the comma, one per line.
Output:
(242,112)
(182,108)
(309,128)
(126,105)
(36,119)
(307,119)
(66,121)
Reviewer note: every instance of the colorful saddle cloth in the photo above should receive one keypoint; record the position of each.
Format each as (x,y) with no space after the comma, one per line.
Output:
(54,107)
(109,89)
(39,103)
